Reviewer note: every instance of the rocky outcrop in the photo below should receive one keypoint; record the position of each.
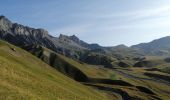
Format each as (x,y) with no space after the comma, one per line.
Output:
(74,39)
(5,24)
(22,35)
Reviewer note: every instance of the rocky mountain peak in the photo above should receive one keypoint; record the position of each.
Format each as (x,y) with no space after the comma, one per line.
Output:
(5,24)
(4,19)
(43,32)
(2,16)
(61,36)
(74,38)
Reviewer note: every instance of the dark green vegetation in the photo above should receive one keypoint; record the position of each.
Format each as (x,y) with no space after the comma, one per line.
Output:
(71,69)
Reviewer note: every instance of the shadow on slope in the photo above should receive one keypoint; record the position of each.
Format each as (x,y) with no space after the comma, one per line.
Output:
(54,60)
(158,76)
(109,81)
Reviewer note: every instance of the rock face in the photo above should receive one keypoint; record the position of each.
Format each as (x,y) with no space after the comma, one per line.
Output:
(5,24)
(22,36)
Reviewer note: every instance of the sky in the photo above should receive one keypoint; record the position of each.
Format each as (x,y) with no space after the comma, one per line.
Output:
(106,22)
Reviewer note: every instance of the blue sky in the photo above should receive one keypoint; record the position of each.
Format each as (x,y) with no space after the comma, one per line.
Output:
(106,22)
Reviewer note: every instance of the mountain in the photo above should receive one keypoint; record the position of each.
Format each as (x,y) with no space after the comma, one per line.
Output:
(27,35)
(24,76)
(79,42)
(23,35)
(156,47)
(70,46)
(68,68)
(73,47)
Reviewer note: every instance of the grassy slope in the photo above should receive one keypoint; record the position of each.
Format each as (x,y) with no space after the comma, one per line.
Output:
(24,76)
(162,90)
(94,71)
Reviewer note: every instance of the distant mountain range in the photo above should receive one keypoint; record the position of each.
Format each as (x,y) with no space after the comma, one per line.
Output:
(75,48)
(156,47)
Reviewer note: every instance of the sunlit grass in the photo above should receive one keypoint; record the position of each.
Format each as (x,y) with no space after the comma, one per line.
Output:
(25,77)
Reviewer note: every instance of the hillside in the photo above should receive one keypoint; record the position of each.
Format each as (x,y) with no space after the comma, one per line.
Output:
(77,70)
(160,47)
(68,68)
(24,76)
(132,83)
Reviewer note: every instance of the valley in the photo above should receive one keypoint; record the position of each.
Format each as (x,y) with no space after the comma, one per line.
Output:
(37,66)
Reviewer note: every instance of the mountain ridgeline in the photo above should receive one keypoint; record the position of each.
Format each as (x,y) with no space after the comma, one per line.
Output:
(156,47)
(73,47)
(70,46)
